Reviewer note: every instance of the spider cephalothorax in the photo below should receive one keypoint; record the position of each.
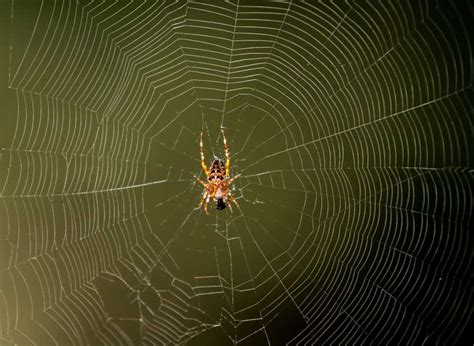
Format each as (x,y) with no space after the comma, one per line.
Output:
(218,181)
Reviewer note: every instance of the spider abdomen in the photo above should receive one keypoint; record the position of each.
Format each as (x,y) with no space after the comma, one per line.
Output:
(218,166)
(217,171)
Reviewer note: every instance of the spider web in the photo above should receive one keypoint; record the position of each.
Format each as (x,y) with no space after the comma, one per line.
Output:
(350,122)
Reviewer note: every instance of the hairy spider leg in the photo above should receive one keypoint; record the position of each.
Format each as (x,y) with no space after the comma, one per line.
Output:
(227,155)
(231,199)
(203,163)
(230,205)
(204,201)
(207,202)
(203,198)
(201,182)
(231,180)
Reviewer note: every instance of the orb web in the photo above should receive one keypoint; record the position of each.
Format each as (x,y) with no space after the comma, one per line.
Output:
(350,123)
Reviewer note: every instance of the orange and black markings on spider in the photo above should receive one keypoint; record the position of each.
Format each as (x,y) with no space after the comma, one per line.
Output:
(219,182)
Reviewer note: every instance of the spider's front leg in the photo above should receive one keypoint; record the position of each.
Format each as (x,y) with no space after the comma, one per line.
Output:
(227,155)
(203,163)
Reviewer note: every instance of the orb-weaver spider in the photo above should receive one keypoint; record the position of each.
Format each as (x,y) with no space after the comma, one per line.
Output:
(218,180)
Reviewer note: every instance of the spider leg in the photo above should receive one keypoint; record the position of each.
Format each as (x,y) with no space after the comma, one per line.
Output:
(207,201)
(201,182)
(203,198)
(204,201)
(227,155)
(231,180)
(203,164)
(232,199)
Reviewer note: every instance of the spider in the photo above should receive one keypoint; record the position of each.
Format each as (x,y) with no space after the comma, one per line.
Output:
(218,180)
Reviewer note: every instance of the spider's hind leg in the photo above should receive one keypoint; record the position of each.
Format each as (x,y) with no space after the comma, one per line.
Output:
(231,199)
(204,201)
